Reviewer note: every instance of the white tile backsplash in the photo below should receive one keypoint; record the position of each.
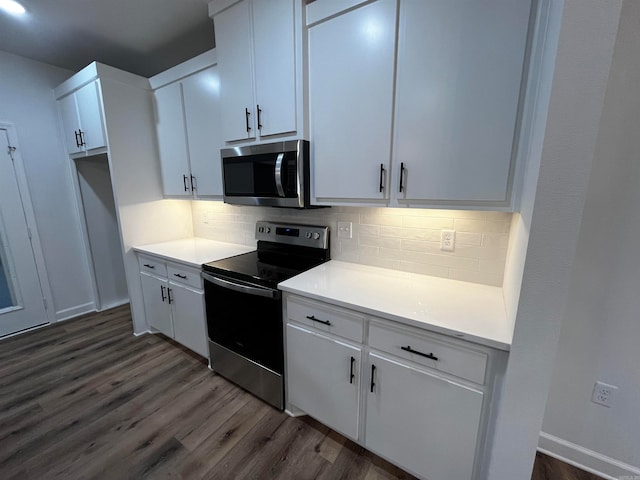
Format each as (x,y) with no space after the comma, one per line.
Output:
(400,239)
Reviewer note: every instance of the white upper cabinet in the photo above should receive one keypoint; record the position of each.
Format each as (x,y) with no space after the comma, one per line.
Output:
(172,141)
(189,127)
(429,121)
(351,61)
(82,119)
(255,41)
(459,74)
(201,96)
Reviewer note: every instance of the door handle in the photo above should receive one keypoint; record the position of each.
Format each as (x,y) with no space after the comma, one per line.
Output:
(162,293)
(373,372)
(77,141)
(193,183)
(184,182)
(382,170)
(81,133)
(169,290)
(402,177)
(279,174)
(246,118)
(259,121)
(351,374)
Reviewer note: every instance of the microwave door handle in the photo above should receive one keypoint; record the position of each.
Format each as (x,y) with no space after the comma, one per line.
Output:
(261,292)
(279,174)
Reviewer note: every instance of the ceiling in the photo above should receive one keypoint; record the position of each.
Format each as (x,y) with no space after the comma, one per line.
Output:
(140,36)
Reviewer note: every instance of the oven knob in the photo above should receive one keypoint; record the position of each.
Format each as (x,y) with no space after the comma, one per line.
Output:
(308,235)
(316,236)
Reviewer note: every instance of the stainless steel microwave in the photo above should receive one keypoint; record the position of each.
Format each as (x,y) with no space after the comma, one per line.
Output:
(272,174)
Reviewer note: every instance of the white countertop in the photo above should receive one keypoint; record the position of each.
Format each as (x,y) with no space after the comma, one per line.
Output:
(464,310)
(194,251)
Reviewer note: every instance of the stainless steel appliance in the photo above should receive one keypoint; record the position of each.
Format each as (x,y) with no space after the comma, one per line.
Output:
(244,305)
(273,174)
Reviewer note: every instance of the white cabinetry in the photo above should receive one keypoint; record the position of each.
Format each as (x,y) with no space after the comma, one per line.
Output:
(189,128)
(350,102)
(255,41)
(459,72)
(82,119)
(174,302)
(417,398)
(449,101)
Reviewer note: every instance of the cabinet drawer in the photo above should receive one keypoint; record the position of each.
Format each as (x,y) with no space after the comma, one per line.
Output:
(455,360)
(185,275)
(326,318)
(152,265)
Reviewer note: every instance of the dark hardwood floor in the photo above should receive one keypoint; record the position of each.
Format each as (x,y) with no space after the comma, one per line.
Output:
(86,399)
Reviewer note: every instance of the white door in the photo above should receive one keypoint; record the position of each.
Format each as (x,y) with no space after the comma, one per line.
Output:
(172,140)
(90,113)
(323,379)
(201,95)
(424,422)
(351,62)
(21,298)
(70,123)
(187,307)
(274,62)
(458,83)
(156,303)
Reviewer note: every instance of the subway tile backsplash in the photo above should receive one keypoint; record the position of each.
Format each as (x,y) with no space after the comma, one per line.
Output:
(400,239)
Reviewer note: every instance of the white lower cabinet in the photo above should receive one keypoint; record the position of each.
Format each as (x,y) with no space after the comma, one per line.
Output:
(419,399)
(425,423)
(324,378)
(174,302)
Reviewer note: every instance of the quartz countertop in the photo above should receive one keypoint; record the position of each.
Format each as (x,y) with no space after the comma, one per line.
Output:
(462,310)
(194,251)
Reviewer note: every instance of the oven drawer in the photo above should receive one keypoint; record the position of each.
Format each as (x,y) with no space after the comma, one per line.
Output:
(185,275)
(152,265)
(326,318)
(428,351)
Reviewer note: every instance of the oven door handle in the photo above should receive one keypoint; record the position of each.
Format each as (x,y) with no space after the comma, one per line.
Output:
(279,174)
(260,292)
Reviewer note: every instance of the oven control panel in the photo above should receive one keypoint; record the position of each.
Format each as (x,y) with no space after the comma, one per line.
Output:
(293,234)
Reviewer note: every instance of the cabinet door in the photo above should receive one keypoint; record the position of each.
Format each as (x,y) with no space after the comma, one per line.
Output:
(425,423)
(90,113)
(351,62)
(70,123)
(320,381)
(172,140)
(233,46)
(187,307)
(201,93)
(459,71)
(156,306)
(274,66)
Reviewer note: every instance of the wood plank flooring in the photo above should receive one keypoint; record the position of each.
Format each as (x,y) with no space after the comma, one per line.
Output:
(86,399)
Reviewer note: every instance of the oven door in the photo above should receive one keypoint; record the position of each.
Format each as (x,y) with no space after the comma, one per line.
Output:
(245,319)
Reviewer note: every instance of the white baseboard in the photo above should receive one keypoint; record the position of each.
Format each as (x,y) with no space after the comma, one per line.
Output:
(144,332)
(117,303)
(585,459)
(69,313)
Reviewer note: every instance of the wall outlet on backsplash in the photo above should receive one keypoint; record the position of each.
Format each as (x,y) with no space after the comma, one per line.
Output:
(344,230)
(447,240)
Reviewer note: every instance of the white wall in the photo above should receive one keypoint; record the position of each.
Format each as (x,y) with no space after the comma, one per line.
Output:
(601,329)
(405,239)
(544,238)
(26,99)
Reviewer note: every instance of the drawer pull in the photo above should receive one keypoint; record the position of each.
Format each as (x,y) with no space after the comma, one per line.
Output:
(427,355)
(149,266)
(351,374)
(184,277)
(373,372)
(324,322)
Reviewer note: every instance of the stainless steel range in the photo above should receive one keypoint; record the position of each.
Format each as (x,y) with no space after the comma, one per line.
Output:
(244,305)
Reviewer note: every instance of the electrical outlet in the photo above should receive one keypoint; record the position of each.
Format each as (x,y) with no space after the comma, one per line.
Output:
(447,240)
(344,230)
(603,394)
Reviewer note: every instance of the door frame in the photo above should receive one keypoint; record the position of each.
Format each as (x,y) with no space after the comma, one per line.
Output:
(27,206)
